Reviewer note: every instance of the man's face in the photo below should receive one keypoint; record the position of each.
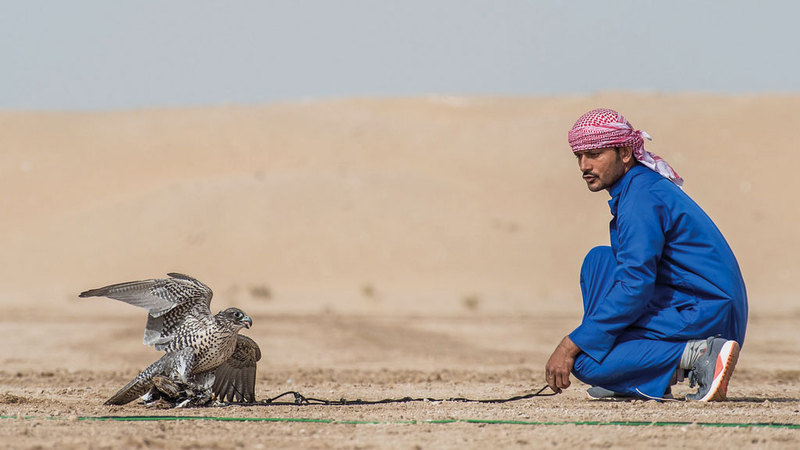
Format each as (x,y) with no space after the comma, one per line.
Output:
(601,167)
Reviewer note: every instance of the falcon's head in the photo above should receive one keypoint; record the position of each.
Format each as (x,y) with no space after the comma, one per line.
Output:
(236,317)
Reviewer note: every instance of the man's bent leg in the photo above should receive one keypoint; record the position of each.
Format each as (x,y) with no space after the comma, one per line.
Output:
(639,367)
(597,277)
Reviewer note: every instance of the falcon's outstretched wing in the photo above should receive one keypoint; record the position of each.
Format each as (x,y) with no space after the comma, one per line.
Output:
(235,379)
(167,300)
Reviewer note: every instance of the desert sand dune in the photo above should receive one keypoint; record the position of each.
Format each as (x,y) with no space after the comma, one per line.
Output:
(385,240)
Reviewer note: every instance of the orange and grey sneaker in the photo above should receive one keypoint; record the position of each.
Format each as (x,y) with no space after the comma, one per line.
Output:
(713,369)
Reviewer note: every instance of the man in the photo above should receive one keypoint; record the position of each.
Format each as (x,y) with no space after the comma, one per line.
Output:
(667,297)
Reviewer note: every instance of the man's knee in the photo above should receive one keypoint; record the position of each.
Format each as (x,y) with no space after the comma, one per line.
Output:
(597,268)
(598,255)
(588,371)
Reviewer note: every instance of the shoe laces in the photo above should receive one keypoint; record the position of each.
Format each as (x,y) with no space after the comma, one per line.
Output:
(692,379)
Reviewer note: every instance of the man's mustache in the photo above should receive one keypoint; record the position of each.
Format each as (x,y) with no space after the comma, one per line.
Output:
(589,172)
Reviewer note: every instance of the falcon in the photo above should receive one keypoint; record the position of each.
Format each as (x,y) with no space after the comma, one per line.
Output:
(205,354)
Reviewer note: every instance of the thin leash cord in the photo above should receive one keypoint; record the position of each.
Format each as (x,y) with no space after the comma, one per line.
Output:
(300,399)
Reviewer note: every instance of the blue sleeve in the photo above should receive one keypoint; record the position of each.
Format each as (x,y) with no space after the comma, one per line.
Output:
(641,222)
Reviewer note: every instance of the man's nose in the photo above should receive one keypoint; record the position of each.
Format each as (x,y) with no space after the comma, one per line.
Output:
(583,163)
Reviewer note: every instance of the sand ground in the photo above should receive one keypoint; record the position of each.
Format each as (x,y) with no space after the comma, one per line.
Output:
(385,248)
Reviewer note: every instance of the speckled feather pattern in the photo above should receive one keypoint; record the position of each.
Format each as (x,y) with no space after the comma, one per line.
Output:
(195,341)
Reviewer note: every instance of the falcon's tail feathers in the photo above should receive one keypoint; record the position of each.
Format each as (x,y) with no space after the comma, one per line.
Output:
(139,385)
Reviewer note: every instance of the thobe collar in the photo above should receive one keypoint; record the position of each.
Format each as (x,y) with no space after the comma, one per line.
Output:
(616,189)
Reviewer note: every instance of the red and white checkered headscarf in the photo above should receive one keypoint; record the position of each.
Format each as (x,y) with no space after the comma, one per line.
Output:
(604,128)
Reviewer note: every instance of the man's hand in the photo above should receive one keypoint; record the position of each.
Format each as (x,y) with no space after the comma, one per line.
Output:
(560,365)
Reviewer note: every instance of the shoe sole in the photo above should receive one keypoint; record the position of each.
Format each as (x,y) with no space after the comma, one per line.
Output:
(726,362)
(611,398)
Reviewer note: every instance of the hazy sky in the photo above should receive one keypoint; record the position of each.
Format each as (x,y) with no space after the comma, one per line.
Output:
(112,54)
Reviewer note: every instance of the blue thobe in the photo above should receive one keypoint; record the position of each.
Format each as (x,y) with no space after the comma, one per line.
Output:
(668,277)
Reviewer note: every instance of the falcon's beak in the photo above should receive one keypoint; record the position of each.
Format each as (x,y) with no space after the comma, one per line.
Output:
(248,322)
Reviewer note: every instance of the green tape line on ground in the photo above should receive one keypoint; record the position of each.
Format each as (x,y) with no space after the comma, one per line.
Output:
(792,426)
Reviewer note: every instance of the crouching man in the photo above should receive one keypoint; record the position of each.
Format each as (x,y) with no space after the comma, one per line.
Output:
(666,299)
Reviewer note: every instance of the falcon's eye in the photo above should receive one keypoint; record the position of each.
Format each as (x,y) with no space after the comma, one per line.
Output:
(238,315)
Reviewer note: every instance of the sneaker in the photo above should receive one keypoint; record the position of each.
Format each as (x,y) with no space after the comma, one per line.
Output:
(713,369)
(603,394)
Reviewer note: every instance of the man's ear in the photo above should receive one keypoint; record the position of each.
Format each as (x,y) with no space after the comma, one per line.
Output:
(626,154)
